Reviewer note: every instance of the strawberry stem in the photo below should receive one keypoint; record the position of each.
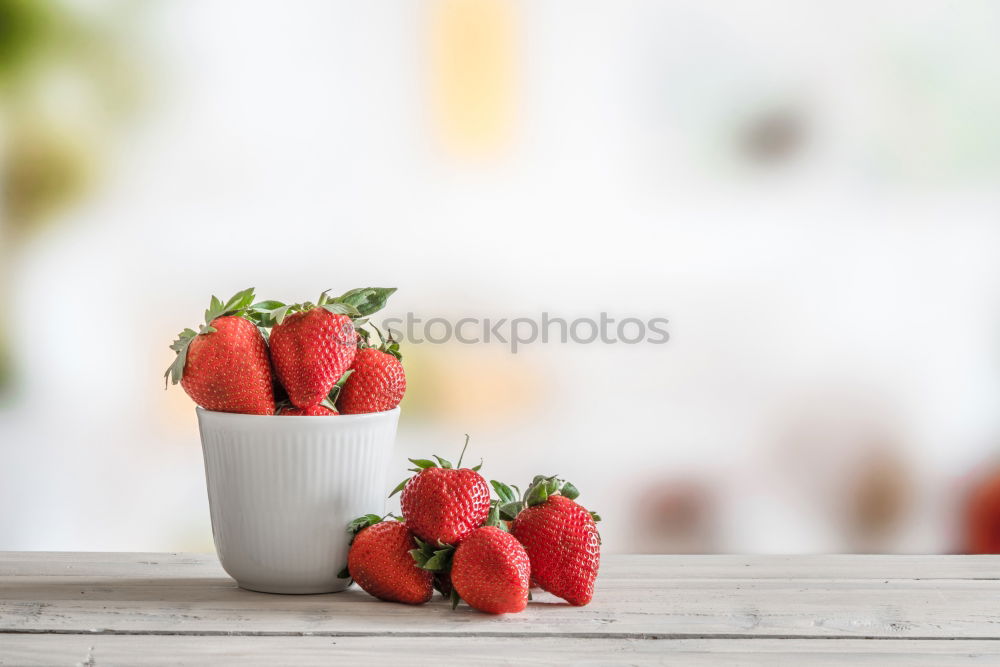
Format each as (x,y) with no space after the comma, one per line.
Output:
(462,455)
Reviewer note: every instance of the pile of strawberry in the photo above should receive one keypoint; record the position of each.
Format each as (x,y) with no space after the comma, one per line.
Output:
(455,538)
(304,359)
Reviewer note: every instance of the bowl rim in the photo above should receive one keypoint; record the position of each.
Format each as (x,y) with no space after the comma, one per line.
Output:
(340,419)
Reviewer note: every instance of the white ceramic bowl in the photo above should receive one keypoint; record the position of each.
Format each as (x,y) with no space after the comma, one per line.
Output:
(282,489)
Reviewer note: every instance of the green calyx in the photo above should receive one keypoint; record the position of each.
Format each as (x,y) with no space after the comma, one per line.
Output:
(432,558)
(239,304)
(494,519)
(356,303)
(510,501)
(423,464)
(331,399)
(362,522)
(389,345)
(436,559)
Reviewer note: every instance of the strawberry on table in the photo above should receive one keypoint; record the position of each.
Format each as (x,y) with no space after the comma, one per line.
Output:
(441,503)
(560,536)
(381,564)
(224,366)
(491,571)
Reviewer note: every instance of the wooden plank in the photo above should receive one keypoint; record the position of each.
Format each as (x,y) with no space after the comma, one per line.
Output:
(93,563)
(33,650)
(167,565)
(637,597)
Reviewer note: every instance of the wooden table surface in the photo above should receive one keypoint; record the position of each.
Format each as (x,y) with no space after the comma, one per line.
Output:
(164,609)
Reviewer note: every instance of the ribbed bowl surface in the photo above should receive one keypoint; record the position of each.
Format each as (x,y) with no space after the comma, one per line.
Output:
(281,491)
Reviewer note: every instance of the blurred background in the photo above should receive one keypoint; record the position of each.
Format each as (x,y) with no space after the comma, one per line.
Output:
(807,191)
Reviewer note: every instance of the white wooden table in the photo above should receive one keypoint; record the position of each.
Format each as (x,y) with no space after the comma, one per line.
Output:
(165,609)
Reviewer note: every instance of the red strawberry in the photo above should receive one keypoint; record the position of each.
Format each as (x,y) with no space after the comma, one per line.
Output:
(491,571)
(311,411)
(377,383)
(380,561)
(444,504)
(560,537)
(982,515)
(442,583)
(225,366)
(311,349)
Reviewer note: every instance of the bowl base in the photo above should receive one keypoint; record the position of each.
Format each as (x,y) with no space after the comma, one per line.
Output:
(292,590)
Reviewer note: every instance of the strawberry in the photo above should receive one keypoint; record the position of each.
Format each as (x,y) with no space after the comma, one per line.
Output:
(313,344)
(380,561)
(981,514)
(559,535)
(311,349)
(377,384)
(224,366)
(442,584)
(491,571)
(444,504)
(317,410)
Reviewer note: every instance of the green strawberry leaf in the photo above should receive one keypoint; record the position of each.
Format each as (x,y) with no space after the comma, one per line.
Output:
(269,304)
(366,300)
(334,394)
(438,561)
(455,598)
(392,347)
(214,309)
(176,370)
(239,301)
(595,516)
(509,511)
(538,493)
(443,462)
(399,487)
(430,558)
(542,487)
(268,313)
(423,463)
(493,518)
(278,315)
(344,574)
(419,557)
(504,492)
(340,309)
(389,345)
(362,522)
(569,491)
